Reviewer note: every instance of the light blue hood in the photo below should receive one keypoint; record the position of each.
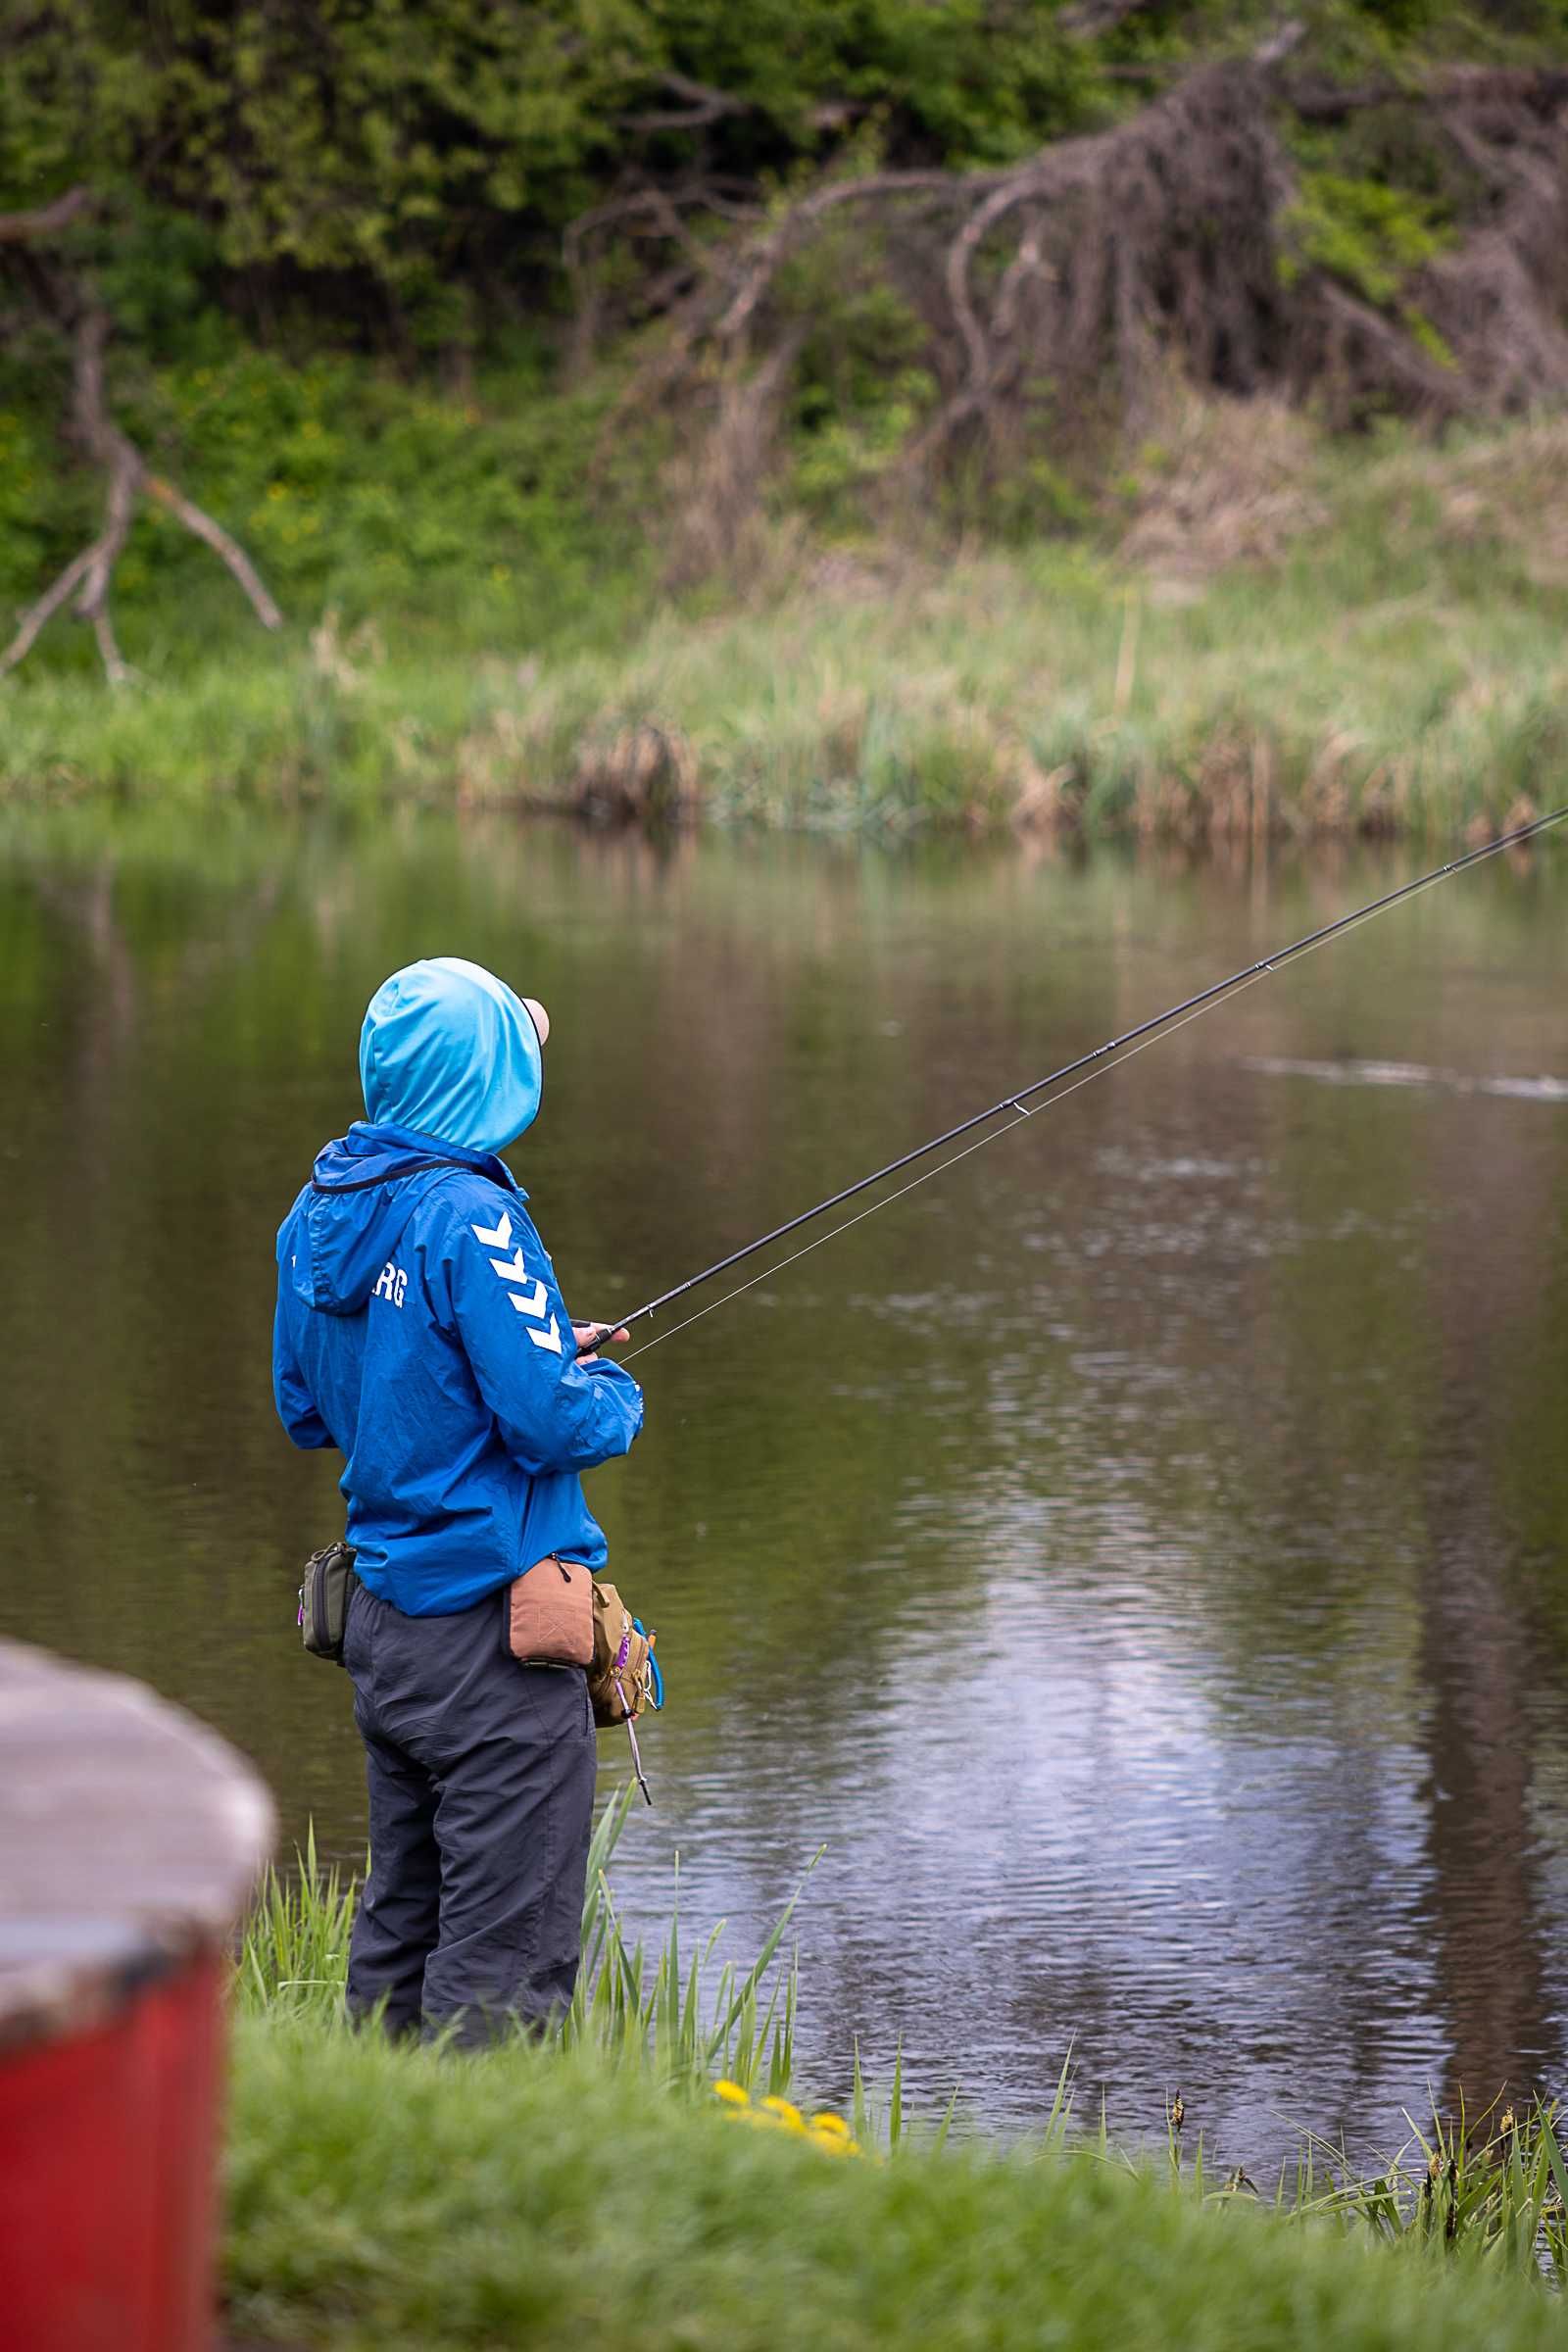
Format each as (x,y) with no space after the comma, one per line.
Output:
(451,1052)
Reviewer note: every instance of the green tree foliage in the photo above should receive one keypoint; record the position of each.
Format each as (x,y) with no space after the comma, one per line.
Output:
(401,172)
(332,235)
(409,164)
(1370,236)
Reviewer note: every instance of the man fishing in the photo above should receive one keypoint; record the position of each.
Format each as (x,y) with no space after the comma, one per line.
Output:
(420,1330)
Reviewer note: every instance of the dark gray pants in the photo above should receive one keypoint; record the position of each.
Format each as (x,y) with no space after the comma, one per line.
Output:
(481,1778)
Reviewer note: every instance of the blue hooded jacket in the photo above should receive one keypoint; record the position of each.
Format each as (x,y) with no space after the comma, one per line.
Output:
(419,1327)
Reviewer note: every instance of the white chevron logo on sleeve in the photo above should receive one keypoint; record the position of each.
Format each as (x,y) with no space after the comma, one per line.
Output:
(529,1298)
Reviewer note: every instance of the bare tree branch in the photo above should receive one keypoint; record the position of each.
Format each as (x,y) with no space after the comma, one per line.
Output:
(44,610)
(1091,18)
(24,229)
(1357,333)
(88,575)
(1279,45)
(703,105)
(792,225)
(116,668)
(201,525)
(1540,91)
(654,212)
(92,604)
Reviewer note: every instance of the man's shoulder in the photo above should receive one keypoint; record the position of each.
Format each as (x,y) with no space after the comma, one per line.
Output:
(466,1201)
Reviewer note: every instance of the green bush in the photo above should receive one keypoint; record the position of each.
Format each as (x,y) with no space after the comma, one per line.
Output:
(1369,235)
(499,515)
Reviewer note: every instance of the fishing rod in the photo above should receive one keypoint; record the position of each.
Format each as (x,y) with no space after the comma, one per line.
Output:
(1187,1010)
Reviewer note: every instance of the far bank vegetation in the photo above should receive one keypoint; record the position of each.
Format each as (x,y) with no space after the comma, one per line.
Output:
(703,386)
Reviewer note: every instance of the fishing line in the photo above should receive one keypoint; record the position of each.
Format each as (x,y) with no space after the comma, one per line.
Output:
(913,1185)
(1096,1063)
(1102,1070)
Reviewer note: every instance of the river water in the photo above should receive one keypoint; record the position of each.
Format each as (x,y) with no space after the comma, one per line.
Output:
(1140,1555)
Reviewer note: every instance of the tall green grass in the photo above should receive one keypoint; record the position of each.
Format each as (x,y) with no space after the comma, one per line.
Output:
(1499,2193)
(1391,655)
(684,2021)
(1493,2188)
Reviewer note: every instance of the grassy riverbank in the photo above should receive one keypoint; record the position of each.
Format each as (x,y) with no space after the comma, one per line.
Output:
(402,2197)
(398,2199)
(1260,630)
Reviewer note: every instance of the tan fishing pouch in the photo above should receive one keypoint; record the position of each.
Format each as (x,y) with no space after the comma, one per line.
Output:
(621,1676)
(549,1614)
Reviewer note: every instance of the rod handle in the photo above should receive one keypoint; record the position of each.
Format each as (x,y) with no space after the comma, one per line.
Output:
(595,1335)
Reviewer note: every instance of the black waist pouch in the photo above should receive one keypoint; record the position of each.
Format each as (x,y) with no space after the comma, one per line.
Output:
(329,1579)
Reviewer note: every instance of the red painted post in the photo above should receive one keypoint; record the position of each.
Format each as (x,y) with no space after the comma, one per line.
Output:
(129,1838)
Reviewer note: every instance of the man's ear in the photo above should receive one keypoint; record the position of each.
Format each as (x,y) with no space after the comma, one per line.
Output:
(539,1017)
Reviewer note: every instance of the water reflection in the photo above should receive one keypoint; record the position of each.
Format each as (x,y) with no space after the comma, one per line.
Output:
(1142,1555)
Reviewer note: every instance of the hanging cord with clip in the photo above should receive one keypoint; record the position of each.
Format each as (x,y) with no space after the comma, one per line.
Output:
(653,1681)
(1087,1066)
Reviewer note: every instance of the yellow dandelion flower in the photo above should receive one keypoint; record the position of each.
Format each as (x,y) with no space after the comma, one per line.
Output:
(790,2116)
(732,2094)
(833,2124)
